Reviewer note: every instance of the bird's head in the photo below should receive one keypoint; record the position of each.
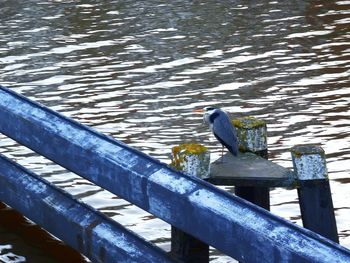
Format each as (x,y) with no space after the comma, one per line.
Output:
(207,112)
(207,109)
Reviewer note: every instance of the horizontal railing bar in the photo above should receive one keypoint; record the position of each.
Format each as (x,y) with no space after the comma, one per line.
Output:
(80,226)
(232,225)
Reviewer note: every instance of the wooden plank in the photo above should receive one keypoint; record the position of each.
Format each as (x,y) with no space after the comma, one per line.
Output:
(314,192)
(82,227)
(226,222)
(248,169)
(38,243)
(188,249)
(193,159)
(316,207)
(252,137)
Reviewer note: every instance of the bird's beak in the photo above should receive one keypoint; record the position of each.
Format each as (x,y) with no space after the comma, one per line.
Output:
(198,110)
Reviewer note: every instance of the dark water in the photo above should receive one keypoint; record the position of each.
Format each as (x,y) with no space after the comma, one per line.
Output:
(135,69)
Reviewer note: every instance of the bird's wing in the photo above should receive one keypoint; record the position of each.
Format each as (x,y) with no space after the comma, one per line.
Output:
(224,131)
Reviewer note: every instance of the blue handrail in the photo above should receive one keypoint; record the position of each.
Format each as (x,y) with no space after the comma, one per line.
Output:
(232,225)
(79,225)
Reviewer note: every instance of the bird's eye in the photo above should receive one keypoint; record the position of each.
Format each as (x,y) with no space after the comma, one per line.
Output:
(209,108)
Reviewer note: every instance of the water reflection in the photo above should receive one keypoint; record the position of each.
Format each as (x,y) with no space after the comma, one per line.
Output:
(134,70)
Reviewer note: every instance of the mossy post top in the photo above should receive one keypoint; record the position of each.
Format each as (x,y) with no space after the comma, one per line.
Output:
(251,134)
(309,162)
(191,158)
(248,122)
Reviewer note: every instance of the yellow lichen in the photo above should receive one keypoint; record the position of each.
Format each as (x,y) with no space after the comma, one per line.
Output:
(189,148)
(180,151)
(300,150)
(248,122)
(297,154)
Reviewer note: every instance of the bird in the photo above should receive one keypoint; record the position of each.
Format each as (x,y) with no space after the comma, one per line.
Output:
(221,126)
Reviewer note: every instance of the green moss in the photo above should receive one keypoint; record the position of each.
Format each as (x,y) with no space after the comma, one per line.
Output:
(248,122)
(251,132)
(189,148)
(299,150)
(296,153)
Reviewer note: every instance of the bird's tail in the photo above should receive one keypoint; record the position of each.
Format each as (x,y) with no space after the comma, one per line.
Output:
(233,150)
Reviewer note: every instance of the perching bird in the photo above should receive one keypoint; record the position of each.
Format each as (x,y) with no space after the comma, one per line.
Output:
(220,124)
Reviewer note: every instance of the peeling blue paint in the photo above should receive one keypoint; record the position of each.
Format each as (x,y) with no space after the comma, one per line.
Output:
(232,225)
(68,219)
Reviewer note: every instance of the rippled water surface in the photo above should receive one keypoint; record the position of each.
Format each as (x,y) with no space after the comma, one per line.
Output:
(135,69)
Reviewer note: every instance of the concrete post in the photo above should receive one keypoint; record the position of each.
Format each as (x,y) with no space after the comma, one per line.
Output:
(192,159)
(315,198)
(252,137)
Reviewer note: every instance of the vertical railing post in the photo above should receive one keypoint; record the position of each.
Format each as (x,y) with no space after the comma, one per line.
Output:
(315,198)
(252,137)
(192,159)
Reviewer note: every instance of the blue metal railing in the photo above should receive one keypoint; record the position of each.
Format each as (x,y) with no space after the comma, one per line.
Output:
(226,222)
(79,225)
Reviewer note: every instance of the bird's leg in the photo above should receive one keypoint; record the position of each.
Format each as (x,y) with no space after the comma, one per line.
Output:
(222,154)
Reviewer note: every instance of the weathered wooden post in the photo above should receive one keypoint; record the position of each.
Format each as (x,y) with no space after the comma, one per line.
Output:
(252,137)
(315,198)
(33,234)
(192,159)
